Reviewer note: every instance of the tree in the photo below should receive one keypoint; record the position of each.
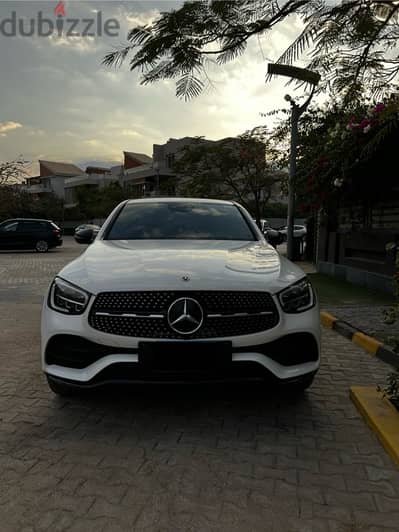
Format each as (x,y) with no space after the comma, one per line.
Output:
(352,44)
(16,202)
(12,172)
(48,206)
(94,202)
(12,199)
(341,151)
(245,169)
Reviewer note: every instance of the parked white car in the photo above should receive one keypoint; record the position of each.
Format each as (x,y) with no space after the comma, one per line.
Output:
(179,289)
(299,231)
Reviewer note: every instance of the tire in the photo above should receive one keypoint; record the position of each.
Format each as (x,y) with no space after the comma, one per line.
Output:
(42,246)
(60,388)
(298,387)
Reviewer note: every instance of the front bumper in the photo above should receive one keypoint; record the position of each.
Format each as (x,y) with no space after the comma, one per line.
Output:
(76,353)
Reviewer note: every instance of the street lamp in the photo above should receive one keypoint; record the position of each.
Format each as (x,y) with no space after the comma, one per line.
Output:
(302,74)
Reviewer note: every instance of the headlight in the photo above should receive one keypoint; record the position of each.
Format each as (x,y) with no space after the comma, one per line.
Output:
(297,297)
(67,298)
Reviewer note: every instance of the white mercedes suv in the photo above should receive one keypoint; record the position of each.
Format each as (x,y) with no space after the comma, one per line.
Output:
(178,289)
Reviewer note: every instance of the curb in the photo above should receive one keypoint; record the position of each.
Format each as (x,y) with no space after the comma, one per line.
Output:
(368,343)
(380,415)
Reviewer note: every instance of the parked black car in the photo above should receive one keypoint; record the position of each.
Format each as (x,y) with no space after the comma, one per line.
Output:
(86,233)
(30,233)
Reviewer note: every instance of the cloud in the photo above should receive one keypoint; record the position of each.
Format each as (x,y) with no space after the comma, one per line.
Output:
(93,142)
(91,112)
(36,132)
(130,133)
(77,44)
(136,18)
(8,126)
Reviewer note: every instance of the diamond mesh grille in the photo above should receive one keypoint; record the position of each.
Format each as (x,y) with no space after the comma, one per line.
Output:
(223,303)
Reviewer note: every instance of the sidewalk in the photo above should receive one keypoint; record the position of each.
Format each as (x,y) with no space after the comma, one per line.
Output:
(356,305)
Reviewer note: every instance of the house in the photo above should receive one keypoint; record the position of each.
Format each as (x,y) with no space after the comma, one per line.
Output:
(165,155)
(52,178)
(63,179)
(93,177)
(146,176)
(139,174)
(136,173)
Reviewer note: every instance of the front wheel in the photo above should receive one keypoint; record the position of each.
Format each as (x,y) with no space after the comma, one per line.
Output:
(42,246)
(60,388)
(298,387)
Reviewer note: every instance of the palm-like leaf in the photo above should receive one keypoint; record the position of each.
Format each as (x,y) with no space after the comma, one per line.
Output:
(340,41)
(188,86)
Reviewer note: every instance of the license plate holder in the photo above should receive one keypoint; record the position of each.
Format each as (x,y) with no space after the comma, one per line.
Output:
(185,356)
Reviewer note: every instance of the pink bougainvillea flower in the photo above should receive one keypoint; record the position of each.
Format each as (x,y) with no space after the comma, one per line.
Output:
(364,123)
(379,107)
(352,124)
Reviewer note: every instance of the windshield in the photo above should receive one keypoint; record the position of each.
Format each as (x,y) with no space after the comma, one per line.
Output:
(175,220)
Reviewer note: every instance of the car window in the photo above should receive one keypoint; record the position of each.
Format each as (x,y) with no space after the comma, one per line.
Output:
(175,220)
(8,227)
(30,226)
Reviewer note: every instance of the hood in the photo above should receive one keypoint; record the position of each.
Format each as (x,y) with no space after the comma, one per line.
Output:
(112,265)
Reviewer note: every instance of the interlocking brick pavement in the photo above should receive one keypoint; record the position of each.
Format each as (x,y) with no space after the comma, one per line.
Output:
(232,458)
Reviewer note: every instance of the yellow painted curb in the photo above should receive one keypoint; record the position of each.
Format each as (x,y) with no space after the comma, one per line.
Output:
(327,319)
(367,342)
(380,415)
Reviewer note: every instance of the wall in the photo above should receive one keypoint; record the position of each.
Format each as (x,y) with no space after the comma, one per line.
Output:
(356,249)
(57,186)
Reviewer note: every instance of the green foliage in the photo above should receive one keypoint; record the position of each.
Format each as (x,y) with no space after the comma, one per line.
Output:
(275,210)
(391,389)
(342,148)
(48,206)
(95,202)
(353,45)
(15,202)
(244,169)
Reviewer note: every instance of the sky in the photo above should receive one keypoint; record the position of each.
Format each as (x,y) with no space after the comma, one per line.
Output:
(58,102)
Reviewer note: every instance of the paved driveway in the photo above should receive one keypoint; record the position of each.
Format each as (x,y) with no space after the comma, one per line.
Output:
(180,459)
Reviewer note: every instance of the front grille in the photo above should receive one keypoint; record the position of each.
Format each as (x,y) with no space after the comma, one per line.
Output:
(144,314)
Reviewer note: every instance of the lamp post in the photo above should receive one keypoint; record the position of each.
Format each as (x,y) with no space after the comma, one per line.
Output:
(313,78)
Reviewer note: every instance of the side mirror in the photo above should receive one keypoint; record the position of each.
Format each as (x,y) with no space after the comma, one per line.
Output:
(273,237)
(86,236)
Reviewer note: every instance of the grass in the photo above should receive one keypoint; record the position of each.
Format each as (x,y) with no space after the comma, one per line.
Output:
(336,292)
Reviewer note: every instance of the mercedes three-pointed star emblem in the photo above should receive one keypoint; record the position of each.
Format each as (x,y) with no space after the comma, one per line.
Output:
(185,315)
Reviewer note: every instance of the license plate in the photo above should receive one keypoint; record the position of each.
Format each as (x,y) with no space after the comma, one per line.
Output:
(185,355)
